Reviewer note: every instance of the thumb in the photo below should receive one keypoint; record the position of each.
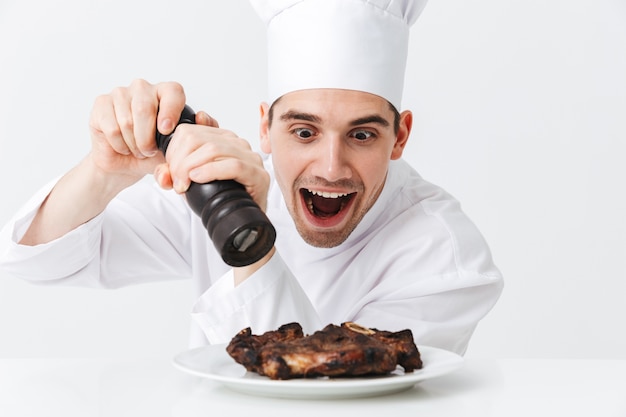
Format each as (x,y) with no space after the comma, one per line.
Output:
(163,177)
(202,118)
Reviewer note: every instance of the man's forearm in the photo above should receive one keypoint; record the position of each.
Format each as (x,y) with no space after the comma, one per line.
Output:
(240,274)
(78,197)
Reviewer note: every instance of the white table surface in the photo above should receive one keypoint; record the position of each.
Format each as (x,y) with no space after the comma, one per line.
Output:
(154,387)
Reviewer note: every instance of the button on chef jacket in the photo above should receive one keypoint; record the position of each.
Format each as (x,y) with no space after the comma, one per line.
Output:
(414,262)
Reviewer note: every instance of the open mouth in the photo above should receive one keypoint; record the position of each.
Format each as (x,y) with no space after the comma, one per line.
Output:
(325,205)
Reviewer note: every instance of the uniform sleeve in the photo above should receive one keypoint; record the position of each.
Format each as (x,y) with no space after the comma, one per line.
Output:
(267,299)
(140,237)
(443,315)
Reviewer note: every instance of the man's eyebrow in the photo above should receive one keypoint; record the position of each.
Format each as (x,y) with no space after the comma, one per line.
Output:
(295,115)
(309,117)
(370,119)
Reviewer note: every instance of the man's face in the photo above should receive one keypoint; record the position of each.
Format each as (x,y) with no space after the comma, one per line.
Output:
(331,150)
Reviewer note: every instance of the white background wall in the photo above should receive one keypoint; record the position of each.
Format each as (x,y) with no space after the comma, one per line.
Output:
(520,112)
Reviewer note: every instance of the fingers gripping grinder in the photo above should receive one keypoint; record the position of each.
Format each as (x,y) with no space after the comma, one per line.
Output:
(239,229)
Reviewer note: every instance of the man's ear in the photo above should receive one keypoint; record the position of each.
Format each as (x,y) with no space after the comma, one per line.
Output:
(406,123)
(264,128)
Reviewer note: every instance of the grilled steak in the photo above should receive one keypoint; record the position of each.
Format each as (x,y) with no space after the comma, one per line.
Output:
(335,351)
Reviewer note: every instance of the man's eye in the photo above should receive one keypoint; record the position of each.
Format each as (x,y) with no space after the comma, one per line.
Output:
(303,133)
(362,134)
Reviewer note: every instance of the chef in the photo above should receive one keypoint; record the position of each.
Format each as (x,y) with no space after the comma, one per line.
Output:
(360,235)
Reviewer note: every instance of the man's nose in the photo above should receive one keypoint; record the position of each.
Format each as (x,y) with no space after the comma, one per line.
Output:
(332,160)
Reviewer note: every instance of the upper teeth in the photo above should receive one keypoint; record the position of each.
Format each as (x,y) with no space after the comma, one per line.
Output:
(326,194)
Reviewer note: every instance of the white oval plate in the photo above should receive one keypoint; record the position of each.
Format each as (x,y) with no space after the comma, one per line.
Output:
(214,363)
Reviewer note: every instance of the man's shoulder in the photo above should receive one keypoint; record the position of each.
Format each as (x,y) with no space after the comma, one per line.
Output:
(406,183)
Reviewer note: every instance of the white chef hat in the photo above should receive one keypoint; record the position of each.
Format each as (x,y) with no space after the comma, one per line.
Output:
(346,44)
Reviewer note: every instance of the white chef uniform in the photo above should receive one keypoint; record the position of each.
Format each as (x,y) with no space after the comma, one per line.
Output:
(415,261)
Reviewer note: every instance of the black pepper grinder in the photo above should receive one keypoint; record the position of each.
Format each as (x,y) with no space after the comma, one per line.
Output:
(239,229)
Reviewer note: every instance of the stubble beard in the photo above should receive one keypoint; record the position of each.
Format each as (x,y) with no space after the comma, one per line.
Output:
(329,238)
(325,239)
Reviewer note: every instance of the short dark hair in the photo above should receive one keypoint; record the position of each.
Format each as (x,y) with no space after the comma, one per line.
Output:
(396,115)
